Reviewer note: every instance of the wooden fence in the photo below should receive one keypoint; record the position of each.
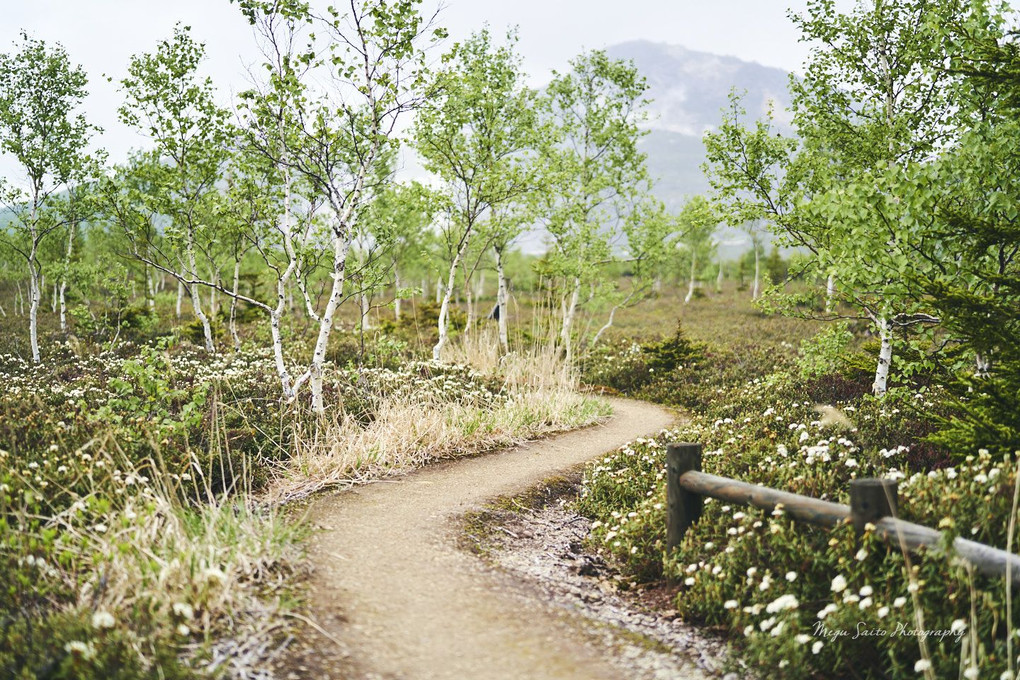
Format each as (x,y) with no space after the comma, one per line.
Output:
(871,500)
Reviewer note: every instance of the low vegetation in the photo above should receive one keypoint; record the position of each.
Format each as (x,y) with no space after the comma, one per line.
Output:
(800,600)
(143,530)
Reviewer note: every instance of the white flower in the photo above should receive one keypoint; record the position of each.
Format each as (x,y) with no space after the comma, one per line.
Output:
(839,583)
(861,555)
(883,612)
(958,626)
(731,604)
(922,665)
(689,581)
(767,623)
(183,630)
(817,647)
(971,673)
(867,591)
(751,571)
(778,630)
(913,587)
(184,610)
(791,576)
(829,608)
(748,630)
(782,603)
(865,603)
(82,649)
(103,619)
(803,639)
(899,602)
(214,574)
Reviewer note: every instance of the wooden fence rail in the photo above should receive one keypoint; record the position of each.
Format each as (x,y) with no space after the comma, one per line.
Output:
(871,500)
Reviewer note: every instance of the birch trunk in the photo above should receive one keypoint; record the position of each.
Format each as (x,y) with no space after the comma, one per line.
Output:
(233,307)
(757,273)
(19,299)
(501,295)
(33,306)
(366,309)
(180,298)
(830,292)
(444,309)
(196,300)
(884,357)
(53,300)
(152,289)
(341,246)
(569,310)
(396,295)
(690,287)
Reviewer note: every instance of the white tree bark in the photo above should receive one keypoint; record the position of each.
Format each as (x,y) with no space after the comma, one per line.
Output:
(501,306)
(757,274)
(196,301)
(366,309)
(233,307)
(569,311)
(396,294)
(444,309)
(180,298)
(830,292)
(885,354)
(33,306)
(690,287)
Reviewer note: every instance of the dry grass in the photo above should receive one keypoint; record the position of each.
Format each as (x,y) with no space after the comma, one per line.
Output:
(541,398)
(214,574)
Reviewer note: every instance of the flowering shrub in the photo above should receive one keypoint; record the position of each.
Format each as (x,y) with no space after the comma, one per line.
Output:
(803,601)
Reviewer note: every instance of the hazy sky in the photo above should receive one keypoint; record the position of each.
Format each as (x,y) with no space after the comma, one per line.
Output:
(103,34)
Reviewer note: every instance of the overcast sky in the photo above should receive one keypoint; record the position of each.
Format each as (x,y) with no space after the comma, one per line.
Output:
(103,34)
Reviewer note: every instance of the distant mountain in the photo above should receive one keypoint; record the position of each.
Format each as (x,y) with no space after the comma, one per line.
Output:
(690,90)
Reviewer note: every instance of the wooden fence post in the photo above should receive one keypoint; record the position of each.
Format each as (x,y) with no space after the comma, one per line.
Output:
(871,500)
(683,507)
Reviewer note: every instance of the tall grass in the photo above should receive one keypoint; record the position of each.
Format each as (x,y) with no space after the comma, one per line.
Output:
(538,397)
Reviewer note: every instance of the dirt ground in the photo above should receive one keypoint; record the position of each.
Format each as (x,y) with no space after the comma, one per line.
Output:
(394,596)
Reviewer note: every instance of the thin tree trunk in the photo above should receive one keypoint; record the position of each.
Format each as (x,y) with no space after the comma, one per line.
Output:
(444,309)
(196,300)
(439,291)
(151,289)
(53,300)
(233,307)
(569,310)
(884,357)
(757,274)
(396,294)
(830,292)
(366,308)
(690,287)
(501,306)
(180,298)
(341,246)
(33,307)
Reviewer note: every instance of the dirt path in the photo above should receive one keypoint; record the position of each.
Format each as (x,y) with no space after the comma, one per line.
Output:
(399,599)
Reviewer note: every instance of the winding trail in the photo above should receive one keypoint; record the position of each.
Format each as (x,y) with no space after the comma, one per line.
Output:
(399,599)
